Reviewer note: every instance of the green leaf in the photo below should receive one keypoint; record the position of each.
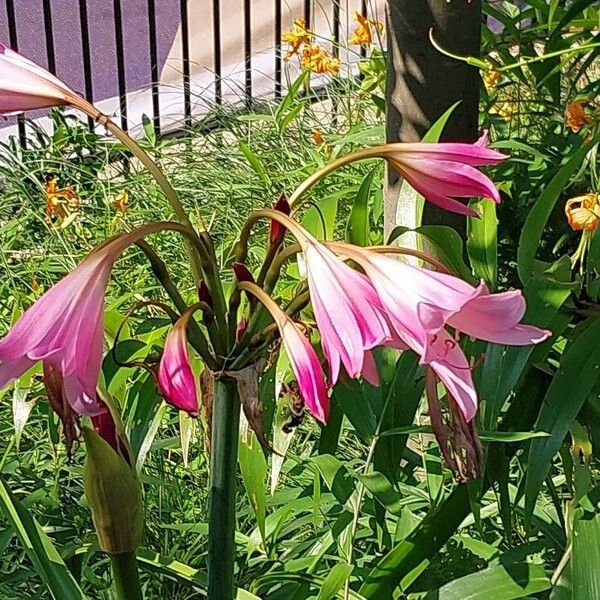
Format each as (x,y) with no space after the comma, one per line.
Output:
(253,466)
(585,575)
(537,218)
(577,374)
(403,563)
(358,223)
(336,476)
(383,491)
(46,560)
(504,581)
(158,563)
(482,241)
(441,242)
(334,581)
(254,161)
(435,131)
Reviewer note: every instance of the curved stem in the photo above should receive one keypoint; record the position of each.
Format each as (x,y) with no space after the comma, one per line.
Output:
(152,167)
(196,337)
(126,576)
(341,246)
(309,182)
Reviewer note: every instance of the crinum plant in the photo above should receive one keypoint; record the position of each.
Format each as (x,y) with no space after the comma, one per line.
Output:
(353,299)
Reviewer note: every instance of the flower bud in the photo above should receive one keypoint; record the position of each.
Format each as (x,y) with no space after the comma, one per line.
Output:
(114,494)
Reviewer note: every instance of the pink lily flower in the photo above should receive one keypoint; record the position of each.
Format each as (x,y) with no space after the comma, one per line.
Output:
(302,356)
(348,313)
(26,86)
(445,171)
(65,327)
(419,304)
(175,376)
(440,172)
(346,308)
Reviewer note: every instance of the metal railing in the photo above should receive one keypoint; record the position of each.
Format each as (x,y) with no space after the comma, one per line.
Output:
(81,28)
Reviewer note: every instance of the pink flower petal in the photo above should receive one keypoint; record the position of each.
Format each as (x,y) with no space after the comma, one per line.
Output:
(347,310)
(175,376)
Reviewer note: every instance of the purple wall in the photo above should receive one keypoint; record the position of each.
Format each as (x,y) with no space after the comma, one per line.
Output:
(67,39)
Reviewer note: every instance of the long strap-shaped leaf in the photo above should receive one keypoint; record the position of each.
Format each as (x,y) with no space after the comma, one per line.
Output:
(46,560)
(412,554)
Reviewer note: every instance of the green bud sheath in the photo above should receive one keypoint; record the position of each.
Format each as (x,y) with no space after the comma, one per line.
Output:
(114,494)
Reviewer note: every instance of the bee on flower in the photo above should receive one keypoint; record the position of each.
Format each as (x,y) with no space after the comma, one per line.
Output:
(363,34)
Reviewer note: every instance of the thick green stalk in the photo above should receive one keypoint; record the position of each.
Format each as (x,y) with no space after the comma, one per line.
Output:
(223,476)
(126,577)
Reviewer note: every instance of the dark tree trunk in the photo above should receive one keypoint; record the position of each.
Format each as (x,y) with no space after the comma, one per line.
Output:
(423,83)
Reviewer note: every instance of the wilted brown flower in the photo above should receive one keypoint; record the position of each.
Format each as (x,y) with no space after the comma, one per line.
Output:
(576,117)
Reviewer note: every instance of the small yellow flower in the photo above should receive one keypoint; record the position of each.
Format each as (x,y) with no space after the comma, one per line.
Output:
(575,116)
(363,34)
(121,202)
(492,78)
(583,212)
(317,60)
(60,201)
(506,110)
(298,37)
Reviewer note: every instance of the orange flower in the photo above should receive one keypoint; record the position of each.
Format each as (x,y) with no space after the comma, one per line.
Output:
(575,116)
(121,202)
(492,78)
(363,34)
(298,37)
(317,60)
(583,212)
(317,137)
(60,201)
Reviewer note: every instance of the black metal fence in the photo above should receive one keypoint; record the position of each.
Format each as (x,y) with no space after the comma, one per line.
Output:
(82,37)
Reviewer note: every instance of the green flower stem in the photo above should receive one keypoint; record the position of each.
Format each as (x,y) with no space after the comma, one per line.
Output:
(126,577)
(223,476)
(195,335)
(162,181)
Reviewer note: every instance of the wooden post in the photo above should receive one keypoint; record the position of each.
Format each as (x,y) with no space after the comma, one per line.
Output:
(422,84)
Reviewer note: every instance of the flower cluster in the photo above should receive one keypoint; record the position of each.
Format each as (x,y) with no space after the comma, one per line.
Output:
(313,58)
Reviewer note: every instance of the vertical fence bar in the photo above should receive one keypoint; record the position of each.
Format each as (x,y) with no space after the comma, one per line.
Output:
(86,55)
(307,13)
(154,74)
(12,40)
(247,53)
(363,11)
(217,51)
(278,50)
(185,54)
(118,15)
(49,33)
(336,28)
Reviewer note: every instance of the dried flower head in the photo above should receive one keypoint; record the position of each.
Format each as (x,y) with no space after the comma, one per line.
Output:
(576,117)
